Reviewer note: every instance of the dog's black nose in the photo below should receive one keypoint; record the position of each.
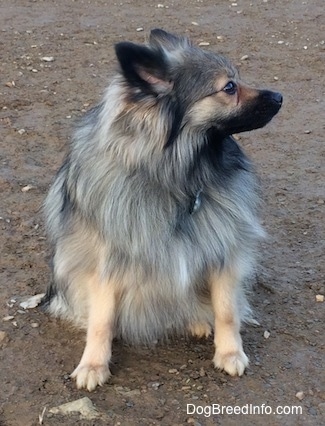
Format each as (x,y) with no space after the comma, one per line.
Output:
(277,97)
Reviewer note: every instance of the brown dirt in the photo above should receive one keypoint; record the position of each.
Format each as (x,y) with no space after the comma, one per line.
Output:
(289,153)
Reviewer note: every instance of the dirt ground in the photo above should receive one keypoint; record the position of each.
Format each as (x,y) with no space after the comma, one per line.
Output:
(39,100)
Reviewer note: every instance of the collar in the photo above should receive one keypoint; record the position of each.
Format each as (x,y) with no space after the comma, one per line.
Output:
(196,202)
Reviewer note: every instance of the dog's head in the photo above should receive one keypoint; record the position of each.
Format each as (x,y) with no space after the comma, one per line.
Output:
(192,87)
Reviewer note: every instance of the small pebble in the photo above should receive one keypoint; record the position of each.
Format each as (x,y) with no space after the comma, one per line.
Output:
(193,422)
(204,43)
(34,324)
(84,406)
(26,188)
(312,411)
(244,57)
(47,59)
(307,132)
(266,334)
(184,388)
(300,395)
(319,298)
(21,131)
(132,393)
(321,407)
(172,371)
(139,29)
(8,318)
(3,336)
(156,385)
(120,389)
(32,302)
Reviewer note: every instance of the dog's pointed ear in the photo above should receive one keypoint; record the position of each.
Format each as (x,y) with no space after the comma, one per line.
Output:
(144,68)
(162,39)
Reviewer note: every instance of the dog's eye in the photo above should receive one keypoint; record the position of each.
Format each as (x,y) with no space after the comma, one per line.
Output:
(230,88)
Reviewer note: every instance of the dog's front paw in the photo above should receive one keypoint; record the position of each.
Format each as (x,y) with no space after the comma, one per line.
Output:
(233,363)
(89,376)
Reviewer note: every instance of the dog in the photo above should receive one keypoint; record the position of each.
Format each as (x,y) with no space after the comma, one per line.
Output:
(153,216)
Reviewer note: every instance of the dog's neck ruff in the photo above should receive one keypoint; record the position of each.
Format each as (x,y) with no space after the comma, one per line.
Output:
(196,202)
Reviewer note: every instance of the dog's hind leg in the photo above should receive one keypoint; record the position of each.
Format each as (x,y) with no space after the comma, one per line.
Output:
(200,330)
(93,368)
(229,354)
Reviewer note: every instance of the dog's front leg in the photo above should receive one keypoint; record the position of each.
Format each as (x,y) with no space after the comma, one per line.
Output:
(93,368)
(229,354)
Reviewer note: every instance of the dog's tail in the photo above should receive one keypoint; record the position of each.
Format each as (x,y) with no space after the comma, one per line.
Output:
(48,297)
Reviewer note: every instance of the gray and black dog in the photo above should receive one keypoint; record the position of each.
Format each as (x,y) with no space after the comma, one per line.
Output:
(153,215)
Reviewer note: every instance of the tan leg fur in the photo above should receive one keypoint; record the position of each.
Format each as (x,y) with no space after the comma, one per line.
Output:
(93,368)
(200,330)
(229,355)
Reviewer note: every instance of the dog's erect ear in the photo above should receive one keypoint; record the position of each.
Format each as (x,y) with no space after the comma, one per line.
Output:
(161,39)
(144,68)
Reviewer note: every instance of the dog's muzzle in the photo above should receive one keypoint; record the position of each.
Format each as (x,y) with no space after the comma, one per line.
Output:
(272,98)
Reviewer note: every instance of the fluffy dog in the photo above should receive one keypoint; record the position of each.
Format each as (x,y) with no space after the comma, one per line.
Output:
(153,215)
